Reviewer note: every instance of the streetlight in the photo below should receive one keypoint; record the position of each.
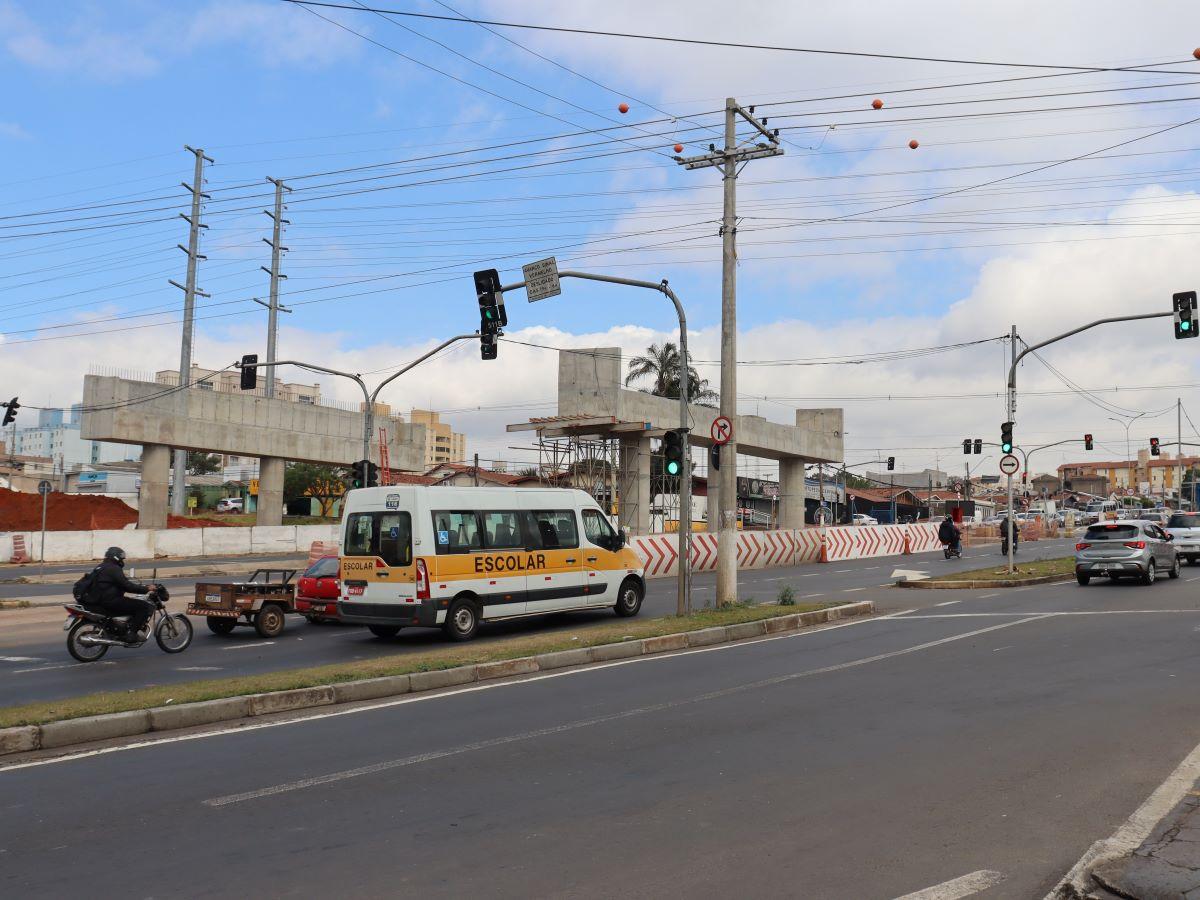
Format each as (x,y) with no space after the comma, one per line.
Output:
(1128,456)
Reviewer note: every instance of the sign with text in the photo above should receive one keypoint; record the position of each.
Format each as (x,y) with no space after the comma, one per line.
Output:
(541,279)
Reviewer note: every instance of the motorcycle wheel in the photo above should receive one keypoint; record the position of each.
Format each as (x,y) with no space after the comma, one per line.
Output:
(174,633)
(82,652)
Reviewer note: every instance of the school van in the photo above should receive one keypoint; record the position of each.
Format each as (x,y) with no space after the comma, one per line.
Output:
(451,557)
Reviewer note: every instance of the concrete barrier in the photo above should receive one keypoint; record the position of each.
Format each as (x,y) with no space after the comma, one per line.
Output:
(326,534)
(179,542)
(273,539)
(138,544)
(67,544)
(226,541)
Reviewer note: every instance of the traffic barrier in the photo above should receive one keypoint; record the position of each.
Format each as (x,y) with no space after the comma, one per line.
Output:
(138,544)
(844,542)
(180,542)
(273,539)
(226,541)
(923,537)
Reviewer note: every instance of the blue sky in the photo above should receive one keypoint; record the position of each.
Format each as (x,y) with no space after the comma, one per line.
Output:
(107,94)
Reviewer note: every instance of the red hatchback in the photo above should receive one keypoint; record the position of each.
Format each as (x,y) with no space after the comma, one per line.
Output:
(317,591)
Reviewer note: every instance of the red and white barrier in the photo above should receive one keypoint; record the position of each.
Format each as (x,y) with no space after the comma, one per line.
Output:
(923,537)
(864,541)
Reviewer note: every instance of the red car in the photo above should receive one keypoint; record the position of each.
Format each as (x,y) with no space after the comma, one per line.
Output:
(317,591)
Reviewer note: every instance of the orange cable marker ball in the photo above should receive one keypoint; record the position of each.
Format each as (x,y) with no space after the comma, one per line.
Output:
(1196,53)
(679,148)
(623,108)
(913,145)
(877,103)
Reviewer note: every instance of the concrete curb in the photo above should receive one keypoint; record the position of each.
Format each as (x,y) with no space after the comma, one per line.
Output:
(975,585)
(69,732)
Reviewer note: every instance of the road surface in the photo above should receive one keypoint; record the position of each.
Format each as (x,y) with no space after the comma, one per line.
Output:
(34,664)
(985,742)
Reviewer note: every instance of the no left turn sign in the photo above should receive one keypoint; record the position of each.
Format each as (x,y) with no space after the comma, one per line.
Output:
(722,430)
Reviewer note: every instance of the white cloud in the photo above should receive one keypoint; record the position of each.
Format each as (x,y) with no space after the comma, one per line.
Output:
(14,131)
(86,48)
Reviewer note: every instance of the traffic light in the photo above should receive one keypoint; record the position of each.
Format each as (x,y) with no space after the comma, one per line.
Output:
(978,445)
(891,463)
(714,457)
(967,445)
(492,316)
(1155,450)
(363,473)
(1006,438)
(673,452)
(10,410)
(249,375)
(1087,442)
(1185,314)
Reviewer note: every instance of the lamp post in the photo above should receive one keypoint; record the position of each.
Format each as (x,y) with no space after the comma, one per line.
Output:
(1128,456)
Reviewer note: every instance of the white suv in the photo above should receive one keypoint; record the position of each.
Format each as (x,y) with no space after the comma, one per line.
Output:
(1184,527)
(230,505)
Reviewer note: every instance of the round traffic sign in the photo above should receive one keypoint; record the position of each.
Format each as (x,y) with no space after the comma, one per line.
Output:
(722,430)
(45,487)
(1009,464)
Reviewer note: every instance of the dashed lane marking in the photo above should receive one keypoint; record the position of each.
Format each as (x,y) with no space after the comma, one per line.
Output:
(958,888)
(947,603)
(249,646)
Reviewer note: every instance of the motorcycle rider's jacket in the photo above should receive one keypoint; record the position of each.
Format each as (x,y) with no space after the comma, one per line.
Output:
(111,583)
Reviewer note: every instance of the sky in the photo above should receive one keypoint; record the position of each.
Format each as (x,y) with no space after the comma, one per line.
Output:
(419,151)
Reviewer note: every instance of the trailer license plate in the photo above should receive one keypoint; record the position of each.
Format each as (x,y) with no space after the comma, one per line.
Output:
(212,598)
(355,590)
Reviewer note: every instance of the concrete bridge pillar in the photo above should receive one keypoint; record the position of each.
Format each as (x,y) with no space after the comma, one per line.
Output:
(270,491)
(791,493)
(633,483)
(152,496)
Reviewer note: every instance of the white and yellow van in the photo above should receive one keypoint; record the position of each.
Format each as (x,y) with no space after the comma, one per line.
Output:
(453,556)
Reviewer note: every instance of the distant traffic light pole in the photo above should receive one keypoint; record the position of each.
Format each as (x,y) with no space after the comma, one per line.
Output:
(369,396)
(1184,311)
(683,601)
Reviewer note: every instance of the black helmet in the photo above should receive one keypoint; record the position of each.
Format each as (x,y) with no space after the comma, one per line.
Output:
(115,554)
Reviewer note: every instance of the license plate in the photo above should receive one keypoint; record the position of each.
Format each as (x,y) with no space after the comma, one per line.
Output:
(355,590)
(212,598)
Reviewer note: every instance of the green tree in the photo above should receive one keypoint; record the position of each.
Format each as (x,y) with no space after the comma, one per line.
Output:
(662,366)
(323,483)
(200,463)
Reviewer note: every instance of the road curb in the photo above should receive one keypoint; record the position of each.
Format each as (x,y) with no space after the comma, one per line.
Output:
(975,585)
(71,732)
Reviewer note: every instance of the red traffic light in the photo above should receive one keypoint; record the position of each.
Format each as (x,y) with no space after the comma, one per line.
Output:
(1155,450)
(1087,442)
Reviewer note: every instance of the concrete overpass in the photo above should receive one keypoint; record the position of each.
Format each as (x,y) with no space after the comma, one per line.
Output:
(275,431)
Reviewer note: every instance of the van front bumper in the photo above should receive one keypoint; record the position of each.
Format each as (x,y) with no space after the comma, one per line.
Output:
(421,613)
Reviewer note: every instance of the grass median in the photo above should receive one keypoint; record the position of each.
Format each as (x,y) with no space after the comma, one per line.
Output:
(1037,568)
(444,657)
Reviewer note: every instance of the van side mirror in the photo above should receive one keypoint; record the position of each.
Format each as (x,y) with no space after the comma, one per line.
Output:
(622,538)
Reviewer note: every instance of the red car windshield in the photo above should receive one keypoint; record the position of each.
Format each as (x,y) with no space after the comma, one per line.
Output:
(323,568)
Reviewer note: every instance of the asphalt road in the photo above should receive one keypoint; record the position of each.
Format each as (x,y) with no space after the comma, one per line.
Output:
(989,738)
(34,664)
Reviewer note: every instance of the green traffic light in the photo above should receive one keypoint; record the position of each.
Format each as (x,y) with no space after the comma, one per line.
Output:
(1007,448)
(672,468)
(1185,325)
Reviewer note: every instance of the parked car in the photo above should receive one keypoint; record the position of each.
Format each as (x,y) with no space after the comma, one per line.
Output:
(231,505)
(1185,528)
(317,591)
(863,519)
(1127,547)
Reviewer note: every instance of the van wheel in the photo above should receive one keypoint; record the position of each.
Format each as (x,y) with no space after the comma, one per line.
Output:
(220,624)
(384,631)
(462,620)
(629,599)
(269,621)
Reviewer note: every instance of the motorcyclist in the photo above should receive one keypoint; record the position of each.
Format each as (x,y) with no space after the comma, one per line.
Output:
(949,534)
(110,589)
(1016,533)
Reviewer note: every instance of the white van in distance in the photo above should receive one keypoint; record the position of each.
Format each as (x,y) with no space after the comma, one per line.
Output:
(451,557)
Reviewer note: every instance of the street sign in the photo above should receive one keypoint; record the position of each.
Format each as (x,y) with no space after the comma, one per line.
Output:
(1009,464)
(541,279)
(722,430)
(45,487)
(192,502)
(253,487)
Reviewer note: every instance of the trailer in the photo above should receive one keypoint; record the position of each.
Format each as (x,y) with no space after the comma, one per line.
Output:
(263,600)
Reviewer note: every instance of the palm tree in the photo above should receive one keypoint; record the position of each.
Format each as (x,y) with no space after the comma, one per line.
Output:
(662,365)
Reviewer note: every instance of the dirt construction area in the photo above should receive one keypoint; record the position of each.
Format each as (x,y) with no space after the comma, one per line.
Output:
(78,512)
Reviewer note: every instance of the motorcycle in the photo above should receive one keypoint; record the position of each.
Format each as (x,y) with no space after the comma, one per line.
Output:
(1004,546)
(90,633)
(950,551)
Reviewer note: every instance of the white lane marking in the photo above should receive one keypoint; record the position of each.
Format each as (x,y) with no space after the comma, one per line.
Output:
(869,569)
(72,665)
(852,590)
(957,888)
(198,669)
(21,659)
(1193,578)
(1138,826)
(986,596)
(841,571)
(248,646)
(810,574)
(947,603)
(423,698)
(598,720)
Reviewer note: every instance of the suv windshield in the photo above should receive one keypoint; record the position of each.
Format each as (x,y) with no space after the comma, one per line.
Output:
(1110,532)
(1184,520)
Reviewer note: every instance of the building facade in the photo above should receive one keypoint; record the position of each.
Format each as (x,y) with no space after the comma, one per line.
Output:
(442,443)
(1146,475)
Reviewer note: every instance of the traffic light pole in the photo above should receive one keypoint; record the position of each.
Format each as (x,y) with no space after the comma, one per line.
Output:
(369,396)
(683,600)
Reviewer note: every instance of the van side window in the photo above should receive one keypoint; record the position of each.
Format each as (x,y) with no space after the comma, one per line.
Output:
(553,529)
(456,531)
(502,530)
(360,535)
(597,529)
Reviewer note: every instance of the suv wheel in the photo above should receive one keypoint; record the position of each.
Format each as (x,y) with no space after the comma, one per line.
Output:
(1150,574)
(1174,573)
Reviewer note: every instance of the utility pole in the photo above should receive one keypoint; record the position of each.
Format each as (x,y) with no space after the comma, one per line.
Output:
(1011,409)
(475,471)
(728,159)
(1178,452)
(190,292)
(273,307)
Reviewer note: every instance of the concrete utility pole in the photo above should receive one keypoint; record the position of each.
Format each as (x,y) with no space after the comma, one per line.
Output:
(273,307)
(1010,406)
(190,292)
(728,160)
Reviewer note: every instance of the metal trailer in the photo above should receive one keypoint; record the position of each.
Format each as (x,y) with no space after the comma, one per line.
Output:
(264,600)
